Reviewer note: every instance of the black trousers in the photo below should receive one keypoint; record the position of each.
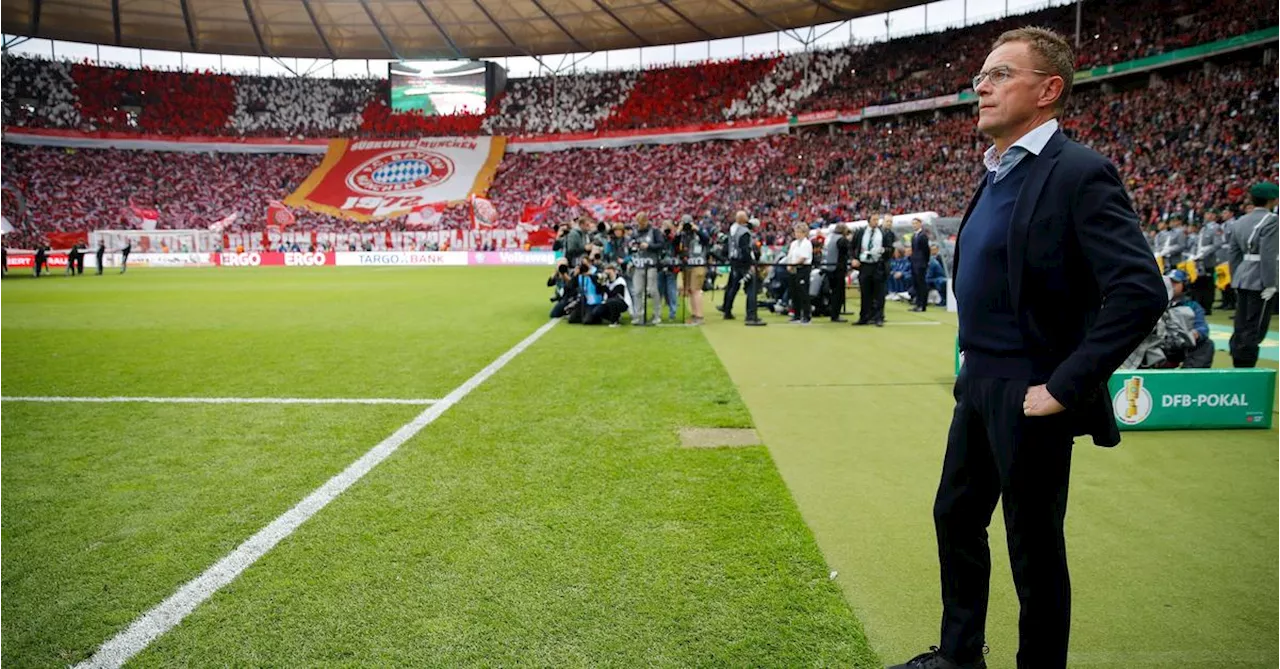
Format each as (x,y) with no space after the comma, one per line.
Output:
(921,288)
(1253,317)
(835,281)
(872,284)
(1202,291)
(1228,298)
(800,299)
(741,277)
(994,451)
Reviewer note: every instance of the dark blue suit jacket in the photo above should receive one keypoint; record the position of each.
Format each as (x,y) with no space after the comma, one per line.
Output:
(1081,276)
(920,249)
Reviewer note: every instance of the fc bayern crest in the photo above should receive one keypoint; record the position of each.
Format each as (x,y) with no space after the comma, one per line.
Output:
(400,171)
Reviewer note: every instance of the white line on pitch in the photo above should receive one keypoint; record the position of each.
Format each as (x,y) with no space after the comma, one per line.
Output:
(166,615)
(224,400)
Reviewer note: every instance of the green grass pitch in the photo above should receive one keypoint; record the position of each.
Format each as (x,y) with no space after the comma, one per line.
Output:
(550,518)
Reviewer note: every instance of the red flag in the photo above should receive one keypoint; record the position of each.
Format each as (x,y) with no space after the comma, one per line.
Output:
(278,215)
(427,216)
(571,198)
(533,213)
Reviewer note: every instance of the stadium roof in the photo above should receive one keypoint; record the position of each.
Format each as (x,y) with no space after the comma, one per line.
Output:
(406,29)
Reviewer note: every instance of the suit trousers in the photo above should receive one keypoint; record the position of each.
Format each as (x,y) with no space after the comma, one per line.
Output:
(872,284)
(835,281)
(1253,318)
(741,277)
(921,288)
(993,452)
(800,292)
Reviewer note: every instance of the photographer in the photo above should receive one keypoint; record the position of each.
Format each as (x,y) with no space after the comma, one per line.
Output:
(590,294)
(575,244)
(615,248)
(646,247)
(617,299)
(669,268)
(566,289)
(692,249)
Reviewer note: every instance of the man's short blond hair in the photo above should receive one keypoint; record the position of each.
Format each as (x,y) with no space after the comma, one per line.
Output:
(1052,52)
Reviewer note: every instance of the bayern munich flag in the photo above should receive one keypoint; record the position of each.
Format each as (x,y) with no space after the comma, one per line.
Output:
(372,179)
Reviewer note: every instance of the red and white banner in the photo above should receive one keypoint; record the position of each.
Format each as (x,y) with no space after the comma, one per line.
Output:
(278,216)
(143,217)
(273,259)
(225,222)
(427,217)
(602,208)
(533,213)
(484,216)
(369,179)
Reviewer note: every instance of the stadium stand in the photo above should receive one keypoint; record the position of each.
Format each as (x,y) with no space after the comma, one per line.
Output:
(37,93)
(1195,141)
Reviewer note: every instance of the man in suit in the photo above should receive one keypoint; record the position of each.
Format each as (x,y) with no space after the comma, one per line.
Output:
(42,257)
(919,264)
(1252,244)
(872,249)
(102,249)
(1055,287)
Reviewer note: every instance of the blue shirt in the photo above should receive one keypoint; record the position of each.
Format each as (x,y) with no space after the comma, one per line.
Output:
(1032,142)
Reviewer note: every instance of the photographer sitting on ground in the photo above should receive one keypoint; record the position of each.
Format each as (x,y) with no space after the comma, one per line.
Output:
(617,299)
(566,289)
(1181,336)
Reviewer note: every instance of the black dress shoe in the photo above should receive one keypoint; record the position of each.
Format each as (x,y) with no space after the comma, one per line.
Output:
(729,317)
(862,322)
(915,309)
(934,659)
(754,321)
(879,324)
(839,320)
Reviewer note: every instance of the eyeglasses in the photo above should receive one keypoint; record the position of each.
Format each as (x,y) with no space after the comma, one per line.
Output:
(999,75)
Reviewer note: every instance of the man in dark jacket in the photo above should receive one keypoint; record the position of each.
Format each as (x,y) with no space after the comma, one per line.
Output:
(872,249)
(1055,286)
(919,264)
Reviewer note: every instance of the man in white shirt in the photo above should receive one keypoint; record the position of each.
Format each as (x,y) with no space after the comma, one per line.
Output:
(799,257)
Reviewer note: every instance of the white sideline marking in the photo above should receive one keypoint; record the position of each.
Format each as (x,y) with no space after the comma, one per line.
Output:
(166,615)
(223,400)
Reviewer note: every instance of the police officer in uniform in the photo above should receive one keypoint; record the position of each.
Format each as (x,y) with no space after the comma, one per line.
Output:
(1254,243)
(1211,240)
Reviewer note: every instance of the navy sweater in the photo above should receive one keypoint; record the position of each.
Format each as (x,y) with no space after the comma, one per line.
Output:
(989,332)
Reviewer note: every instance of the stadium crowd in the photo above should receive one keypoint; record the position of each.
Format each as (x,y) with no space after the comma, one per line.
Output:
(38,93)
(1192,142)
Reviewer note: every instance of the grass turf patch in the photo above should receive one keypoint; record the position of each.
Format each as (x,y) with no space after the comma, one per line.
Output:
(550,519)
(265,332)
(1171,536)
(109,508)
